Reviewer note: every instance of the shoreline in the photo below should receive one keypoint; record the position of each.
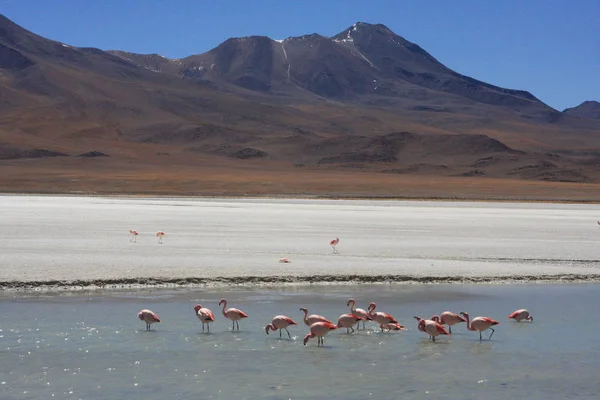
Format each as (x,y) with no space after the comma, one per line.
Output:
(284,281)
(189,196)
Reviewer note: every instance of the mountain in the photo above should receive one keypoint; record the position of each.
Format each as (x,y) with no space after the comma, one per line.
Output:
(365,101)
(587,109)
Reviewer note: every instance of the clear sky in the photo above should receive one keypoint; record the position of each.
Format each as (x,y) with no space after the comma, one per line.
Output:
(548,47)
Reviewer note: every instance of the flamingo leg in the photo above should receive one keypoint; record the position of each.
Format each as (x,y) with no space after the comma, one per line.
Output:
(450,329)
(280,333)
(491,329)
(233,325)
(208,327)
(433,338)
(288,332)
(238,325)
(480,338)
(352,329)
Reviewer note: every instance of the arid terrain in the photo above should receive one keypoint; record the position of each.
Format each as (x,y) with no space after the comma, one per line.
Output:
(365,113)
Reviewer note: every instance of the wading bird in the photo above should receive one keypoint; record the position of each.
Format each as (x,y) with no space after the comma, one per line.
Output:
(448,318)
(148,317)
(348,321)
(309,320)
(358,311)
(280,322)
(334,243)
(392,327)
(431,327)
(521,315)
(319,329)
(160,235)
(379,317)
(480,324)
(134,234)
(204,315)
(233,314)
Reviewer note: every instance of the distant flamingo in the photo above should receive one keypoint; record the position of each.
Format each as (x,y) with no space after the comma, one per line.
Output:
(358,311)
(284,260)
(392,327)
(160,235)
(134,235)
(280,322)
(379,317)
(521,315)
(432,328)
(334,243)
(148,317)
(319,329)
(448,318)
(204,315)
(309,320)
(480,324)
(348,321)
(233,314)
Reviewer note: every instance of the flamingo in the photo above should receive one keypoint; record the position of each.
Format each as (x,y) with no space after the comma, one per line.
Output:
(134,235)
(432,328)
(421,327)
(448,318)
(392,327)
(480,324)
(311,319)
(204,315)
(319,329)
(379,317)
(148,317)
(160,235)
(358,311)
(334,243)
(280,322)
(284,260)
(348,321)
(521,315)
(233,314)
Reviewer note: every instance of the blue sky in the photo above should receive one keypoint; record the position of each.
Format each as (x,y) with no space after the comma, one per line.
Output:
(548,47)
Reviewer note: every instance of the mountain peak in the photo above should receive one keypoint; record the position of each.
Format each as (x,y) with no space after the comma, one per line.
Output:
(587,109)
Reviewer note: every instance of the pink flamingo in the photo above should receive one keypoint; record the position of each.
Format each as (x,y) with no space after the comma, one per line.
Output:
(204,315)
(280,322)
(348,321)
(448,318)
(334,243)
(421,327)
(480,324)
(134,235)
(233,314)
(319,329)
(379,317)
(358,311)
(392,327)
(309,320)
(148,317)
(160,235)
(521,315)
(432,328)
(284,260)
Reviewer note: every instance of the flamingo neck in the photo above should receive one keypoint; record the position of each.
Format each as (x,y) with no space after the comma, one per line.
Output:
(305,316)
(469,327)
(352,307)
(224,305)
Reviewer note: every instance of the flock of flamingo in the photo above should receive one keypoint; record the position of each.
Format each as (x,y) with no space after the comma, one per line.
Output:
(320,326)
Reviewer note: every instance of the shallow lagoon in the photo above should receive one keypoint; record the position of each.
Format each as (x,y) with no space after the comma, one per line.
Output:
(90,345)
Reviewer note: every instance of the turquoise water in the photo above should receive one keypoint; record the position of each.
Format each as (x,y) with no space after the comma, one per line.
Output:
(92,346)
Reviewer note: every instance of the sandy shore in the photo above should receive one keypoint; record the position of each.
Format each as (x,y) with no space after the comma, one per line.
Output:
(53,242)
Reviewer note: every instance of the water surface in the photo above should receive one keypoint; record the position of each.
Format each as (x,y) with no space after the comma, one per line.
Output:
(92,346)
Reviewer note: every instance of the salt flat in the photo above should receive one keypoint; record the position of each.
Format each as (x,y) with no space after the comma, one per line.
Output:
(45,238)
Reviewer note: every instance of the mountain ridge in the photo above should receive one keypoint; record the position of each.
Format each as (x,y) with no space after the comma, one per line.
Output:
(363,101)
